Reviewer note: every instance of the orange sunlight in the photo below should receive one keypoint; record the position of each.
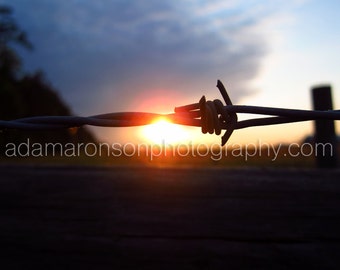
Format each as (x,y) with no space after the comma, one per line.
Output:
(163,131)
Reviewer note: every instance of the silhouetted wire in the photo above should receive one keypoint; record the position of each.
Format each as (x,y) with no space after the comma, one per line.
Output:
(211,116)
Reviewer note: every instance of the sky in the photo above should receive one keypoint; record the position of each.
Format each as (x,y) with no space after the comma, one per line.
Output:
(122,55)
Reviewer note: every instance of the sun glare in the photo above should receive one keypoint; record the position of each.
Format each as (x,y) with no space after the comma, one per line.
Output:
(163,131)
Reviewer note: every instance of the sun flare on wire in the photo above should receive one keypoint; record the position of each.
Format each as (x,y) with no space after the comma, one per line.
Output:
(163,131)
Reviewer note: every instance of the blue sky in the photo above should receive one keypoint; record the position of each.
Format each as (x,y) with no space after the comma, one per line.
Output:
(107,56)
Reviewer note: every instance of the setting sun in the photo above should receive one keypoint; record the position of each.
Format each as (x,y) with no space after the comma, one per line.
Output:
(163,131)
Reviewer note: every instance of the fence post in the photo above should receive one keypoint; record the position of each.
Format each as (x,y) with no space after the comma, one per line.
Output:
(325,137)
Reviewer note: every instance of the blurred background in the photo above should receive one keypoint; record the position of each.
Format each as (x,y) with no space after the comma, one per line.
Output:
(110,56)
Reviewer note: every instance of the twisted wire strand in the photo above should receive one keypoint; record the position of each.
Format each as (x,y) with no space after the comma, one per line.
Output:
(211,116)
(123,119)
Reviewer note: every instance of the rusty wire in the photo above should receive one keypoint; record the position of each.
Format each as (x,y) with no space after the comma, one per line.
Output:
(211,116)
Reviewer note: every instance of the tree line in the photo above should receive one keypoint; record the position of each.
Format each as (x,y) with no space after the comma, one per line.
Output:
(24,94)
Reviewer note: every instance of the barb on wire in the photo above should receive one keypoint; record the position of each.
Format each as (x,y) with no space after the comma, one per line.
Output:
(211,116)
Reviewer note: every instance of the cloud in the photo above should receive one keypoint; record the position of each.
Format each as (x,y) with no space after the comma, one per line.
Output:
(110,54)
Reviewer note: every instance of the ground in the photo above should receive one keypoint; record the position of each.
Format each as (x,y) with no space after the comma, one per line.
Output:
(77,217)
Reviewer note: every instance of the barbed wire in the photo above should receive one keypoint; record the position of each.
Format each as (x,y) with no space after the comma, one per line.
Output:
(211,116)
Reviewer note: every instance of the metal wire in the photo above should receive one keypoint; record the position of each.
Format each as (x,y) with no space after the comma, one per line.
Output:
(211,116)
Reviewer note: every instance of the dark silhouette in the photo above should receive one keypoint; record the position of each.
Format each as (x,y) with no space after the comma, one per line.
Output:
(324,129)
(10,34)
(25,95)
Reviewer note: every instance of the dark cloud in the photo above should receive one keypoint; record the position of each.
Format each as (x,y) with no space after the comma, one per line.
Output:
(101,54)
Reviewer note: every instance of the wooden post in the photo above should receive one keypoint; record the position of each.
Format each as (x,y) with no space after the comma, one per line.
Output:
(325,137)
